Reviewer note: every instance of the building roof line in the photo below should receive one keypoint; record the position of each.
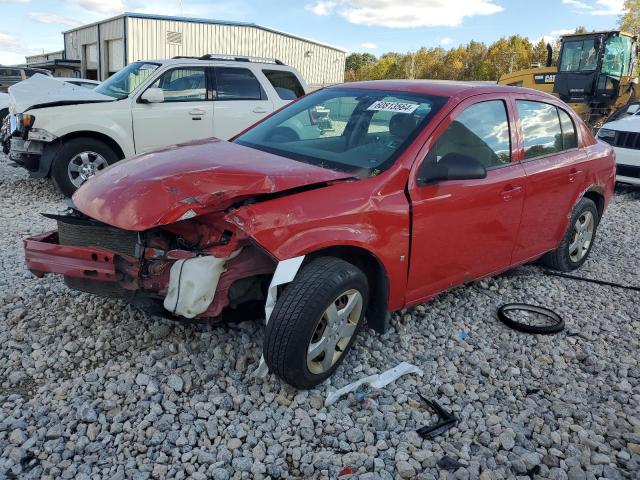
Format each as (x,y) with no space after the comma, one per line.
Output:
(206,21)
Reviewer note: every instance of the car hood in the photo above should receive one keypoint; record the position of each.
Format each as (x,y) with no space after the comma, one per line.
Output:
(625,124)
(184,181)
(41,91)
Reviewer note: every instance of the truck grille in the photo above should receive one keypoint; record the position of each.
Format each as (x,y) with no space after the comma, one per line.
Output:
(628,171)
(626,140)
(81,232)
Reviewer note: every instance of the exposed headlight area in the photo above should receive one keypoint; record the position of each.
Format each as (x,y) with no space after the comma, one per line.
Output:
(17,124)
(607,135)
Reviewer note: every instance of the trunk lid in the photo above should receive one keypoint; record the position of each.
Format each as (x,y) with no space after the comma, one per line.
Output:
(184,181)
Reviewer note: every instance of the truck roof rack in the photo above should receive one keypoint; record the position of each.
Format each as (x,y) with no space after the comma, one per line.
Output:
(233,58)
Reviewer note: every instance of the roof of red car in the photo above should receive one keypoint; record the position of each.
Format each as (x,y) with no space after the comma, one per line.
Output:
(443,88)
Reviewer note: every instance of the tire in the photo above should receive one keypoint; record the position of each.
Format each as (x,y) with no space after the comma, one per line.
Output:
(563,258)
(76,150)
(300,313)
(556,326)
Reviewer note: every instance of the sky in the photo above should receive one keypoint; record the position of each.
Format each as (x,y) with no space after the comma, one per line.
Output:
(28,27)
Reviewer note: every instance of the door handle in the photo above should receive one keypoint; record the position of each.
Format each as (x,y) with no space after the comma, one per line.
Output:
(509,191)
(573,174)
(260,110)
(197,112)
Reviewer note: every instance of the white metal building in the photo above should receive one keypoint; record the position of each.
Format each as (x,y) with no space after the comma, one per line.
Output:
(105,47)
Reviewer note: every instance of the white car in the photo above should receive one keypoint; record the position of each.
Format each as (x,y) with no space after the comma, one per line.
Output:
(70,133)
(624,136)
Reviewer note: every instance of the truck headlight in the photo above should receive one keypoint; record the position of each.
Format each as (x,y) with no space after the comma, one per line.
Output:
(606,134)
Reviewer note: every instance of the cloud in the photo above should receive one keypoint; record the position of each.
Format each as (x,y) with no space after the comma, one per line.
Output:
(369,45)
(409,14)
(445,41)
(555,35)
(12,44)
(19,2)
(597,7)
(321,8)
(100,6)
(52,19)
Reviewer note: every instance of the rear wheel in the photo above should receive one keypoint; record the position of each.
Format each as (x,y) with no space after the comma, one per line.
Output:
(316,321)
(78,160)
(578,240)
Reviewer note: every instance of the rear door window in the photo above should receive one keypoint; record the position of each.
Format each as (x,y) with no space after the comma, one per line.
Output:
(286,84)
(540,128)
(237,84)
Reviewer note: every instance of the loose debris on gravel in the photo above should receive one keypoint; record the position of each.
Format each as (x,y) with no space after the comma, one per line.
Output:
(91,388)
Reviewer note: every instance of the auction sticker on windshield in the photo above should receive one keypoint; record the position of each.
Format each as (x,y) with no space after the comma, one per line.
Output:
(382,106)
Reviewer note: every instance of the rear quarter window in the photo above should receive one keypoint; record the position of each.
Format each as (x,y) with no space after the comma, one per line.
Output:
(286,84)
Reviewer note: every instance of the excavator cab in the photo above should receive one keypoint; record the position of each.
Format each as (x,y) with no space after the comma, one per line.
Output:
(595,75)
(592,67)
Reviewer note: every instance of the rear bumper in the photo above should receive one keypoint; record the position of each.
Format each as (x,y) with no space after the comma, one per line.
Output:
(43,254)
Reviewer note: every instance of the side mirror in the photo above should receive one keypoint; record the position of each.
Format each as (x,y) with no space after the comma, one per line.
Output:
(453,166)
(152,95)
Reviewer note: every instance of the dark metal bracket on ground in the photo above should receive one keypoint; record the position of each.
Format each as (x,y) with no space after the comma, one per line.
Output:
(446,420)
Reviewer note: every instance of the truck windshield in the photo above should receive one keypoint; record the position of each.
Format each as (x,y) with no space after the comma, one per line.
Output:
(617,56)
(348,129)
(124,82)
(579,56)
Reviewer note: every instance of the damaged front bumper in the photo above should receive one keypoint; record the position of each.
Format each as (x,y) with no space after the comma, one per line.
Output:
(137,267)
(29,152)
(43,254)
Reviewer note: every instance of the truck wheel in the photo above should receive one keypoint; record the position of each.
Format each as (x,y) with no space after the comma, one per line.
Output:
(578,240)
(79,159)
(315,321)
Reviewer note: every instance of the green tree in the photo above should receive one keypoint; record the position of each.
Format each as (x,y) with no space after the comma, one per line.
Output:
(630,18)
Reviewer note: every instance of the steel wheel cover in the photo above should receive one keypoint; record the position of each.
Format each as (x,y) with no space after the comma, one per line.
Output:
(334,331)
(85,165)
(582,236)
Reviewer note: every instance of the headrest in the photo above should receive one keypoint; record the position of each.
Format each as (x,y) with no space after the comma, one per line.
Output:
(401,125)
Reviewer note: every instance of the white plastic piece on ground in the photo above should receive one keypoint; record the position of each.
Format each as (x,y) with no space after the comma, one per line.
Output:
(376,381)
(285,273)
(193,283)
(41,90)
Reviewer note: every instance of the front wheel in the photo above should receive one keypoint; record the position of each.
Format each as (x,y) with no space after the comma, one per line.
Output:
(316,321)
(578,240)
(78,160)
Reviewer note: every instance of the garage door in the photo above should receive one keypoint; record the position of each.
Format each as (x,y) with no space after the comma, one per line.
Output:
(116,56)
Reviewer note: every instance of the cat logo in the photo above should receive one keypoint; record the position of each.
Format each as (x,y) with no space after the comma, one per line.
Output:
(544,78)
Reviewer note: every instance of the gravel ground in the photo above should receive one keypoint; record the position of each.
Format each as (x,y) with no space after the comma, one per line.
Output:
(90,388)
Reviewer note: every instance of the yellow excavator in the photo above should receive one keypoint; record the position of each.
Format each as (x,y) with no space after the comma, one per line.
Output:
(594,75)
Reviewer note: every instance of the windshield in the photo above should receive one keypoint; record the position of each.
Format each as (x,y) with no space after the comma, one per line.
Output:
(124,82)
(617,56)
(579,56)
(347,129)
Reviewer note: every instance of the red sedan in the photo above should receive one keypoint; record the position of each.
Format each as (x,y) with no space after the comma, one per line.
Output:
(350,203)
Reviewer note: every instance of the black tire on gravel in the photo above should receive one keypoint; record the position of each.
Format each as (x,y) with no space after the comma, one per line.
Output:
(70,149)
(559,259)
(297,313)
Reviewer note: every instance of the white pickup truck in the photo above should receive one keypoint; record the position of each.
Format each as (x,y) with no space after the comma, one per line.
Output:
(69,133)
